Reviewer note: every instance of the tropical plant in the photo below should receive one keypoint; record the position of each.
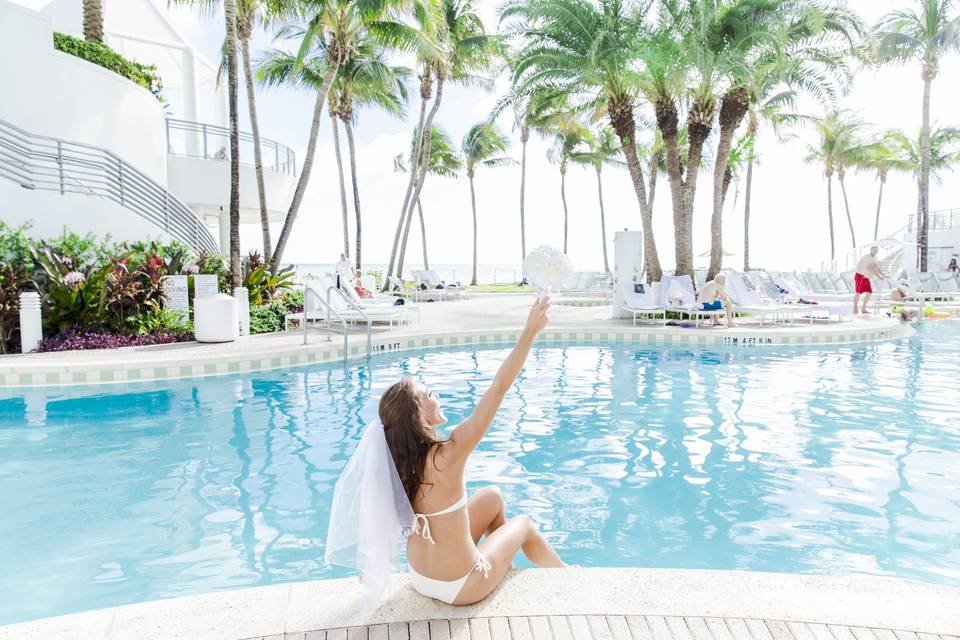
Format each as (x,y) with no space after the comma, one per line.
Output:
(92,21)
(482,147)
(75,339)
(262,285)
(326,39)
(603,149)
(589,51)
(445,161)
(72,292)
(267,318)
(882,158)
(924,36)
(840,144)
(12,282)
(568,134)
(100,54)
(451,45)
(154,319)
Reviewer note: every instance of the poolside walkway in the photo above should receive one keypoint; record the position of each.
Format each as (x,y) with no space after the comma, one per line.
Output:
(485,319)
(575,603)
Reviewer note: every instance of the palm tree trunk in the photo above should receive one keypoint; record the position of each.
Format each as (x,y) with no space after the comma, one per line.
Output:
(424,98)
(876,224)
(230,16)
(699,125)
(423,236)
(746,216)
(343,188)
(733,108)
(305,169)
(668,123)
(524,136)
(92,21)
(422,172)
(654,172)
(923,209)
(257,152)
(563,198)
(351,148)
(625,127)
(846,205)
(473,205)
(833,253)
(603,223)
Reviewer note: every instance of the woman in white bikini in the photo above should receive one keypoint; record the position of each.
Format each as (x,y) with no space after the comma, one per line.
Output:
(429,503)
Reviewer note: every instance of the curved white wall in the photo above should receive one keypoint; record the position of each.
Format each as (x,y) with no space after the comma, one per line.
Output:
(52,93)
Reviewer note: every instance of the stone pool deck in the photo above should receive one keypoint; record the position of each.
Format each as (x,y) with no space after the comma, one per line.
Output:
(484,319)
(574,603)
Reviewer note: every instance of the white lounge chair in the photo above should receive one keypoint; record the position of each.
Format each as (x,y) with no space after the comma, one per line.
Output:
(829,307)
(380,302)
(748,300)
(641,304)
(364,313)
(688,299)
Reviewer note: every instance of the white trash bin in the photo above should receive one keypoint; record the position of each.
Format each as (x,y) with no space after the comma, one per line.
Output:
(216,318)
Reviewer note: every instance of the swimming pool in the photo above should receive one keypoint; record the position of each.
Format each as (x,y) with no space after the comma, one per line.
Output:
(828,460)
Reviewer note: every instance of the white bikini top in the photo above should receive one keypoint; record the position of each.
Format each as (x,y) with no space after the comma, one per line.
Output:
(424,524)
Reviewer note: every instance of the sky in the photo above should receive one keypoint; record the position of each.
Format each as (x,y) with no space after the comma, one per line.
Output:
(789,214)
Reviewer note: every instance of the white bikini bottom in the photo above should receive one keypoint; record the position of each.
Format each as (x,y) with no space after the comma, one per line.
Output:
(446,590)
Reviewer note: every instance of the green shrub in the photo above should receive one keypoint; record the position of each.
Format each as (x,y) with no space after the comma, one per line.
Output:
(293,300)
(98,53)
(153,318)
(267,318)
(262,286)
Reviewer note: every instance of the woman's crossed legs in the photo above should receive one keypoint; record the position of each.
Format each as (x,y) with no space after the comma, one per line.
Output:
(504,537)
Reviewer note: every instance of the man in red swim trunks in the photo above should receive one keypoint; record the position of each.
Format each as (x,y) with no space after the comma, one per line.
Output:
(866,268)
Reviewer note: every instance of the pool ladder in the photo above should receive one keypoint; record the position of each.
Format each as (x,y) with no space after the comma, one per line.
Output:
(308,290)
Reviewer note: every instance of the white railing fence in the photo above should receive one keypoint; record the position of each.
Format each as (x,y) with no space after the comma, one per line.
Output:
(212,142)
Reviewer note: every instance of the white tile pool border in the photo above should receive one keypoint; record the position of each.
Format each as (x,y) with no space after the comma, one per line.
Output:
(324,604)
(136,365)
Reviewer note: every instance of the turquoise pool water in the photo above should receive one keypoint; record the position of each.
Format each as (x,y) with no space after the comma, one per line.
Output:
(817,460)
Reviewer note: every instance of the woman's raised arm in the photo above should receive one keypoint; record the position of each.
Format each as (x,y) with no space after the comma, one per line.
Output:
(469,432)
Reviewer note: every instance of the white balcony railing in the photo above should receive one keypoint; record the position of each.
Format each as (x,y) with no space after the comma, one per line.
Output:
(942,220)
(212,142)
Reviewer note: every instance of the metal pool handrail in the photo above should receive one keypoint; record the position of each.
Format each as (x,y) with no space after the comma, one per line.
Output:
(44,163)
(355,307)
(308,289)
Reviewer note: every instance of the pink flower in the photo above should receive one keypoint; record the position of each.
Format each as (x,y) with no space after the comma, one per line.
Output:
(192,269)
(74,279)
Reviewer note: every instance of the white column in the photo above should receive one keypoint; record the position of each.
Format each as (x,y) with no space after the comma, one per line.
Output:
(224,220)
(627,264)
(31,326)
(193,142)
(243,309)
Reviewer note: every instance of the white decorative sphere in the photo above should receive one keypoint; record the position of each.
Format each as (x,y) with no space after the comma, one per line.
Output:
(547,267)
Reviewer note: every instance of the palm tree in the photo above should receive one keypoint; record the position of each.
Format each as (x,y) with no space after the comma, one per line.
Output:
(603,148)
(92,21)
(924,36)
(482,146)
(366,79)
(444,161)
(883,157)
(251,13)
(589,50)
(330,26)
(451,44)
(568,134)
(839,145)
(332,111)
(230,49)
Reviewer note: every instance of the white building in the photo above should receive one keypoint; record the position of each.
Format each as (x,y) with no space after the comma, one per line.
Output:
(83,148)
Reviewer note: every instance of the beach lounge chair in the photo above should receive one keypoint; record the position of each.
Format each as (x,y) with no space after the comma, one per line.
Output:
(828,307)
(432,278)
(362,313)
(747,300)
(641,304)
(676,294)
(379,302)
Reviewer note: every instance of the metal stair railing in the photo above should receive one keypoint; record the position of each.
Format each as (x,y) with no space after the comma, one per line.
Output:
(308,290)
(45,163)
(355,307)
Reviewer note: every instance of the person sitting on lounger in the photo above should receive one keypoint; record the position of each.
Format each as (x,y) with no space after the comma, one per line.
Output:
(363,293)
(866,268)
(713,297)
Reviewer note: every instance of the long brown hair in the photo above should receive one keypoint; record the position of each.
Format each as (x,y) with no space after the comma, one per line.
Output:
(408,436)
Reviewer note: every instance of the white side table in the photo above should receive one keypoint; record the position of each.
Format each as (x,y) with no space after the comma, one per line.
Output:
(216,318)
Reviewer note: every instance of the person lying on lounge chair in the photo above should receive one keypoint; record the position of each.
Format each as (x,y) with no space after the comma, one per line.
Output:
(899,296)
(713,297)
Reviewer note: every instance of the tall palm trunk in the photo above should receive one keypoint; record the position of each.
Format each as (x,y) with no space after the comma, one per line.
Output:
(423,236)
(425,92)
(351,147)
(307,164)
(230,15)
(699,125)
(422,171)
(473,205)
(603,223)
(846,206)
(746,215)
(733,108)
(876,224)
(563,198)
(923,204)
(524,137)
(92,21)
(343,188)
(654,172)
(833,253)
(257,152)
(621,117)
